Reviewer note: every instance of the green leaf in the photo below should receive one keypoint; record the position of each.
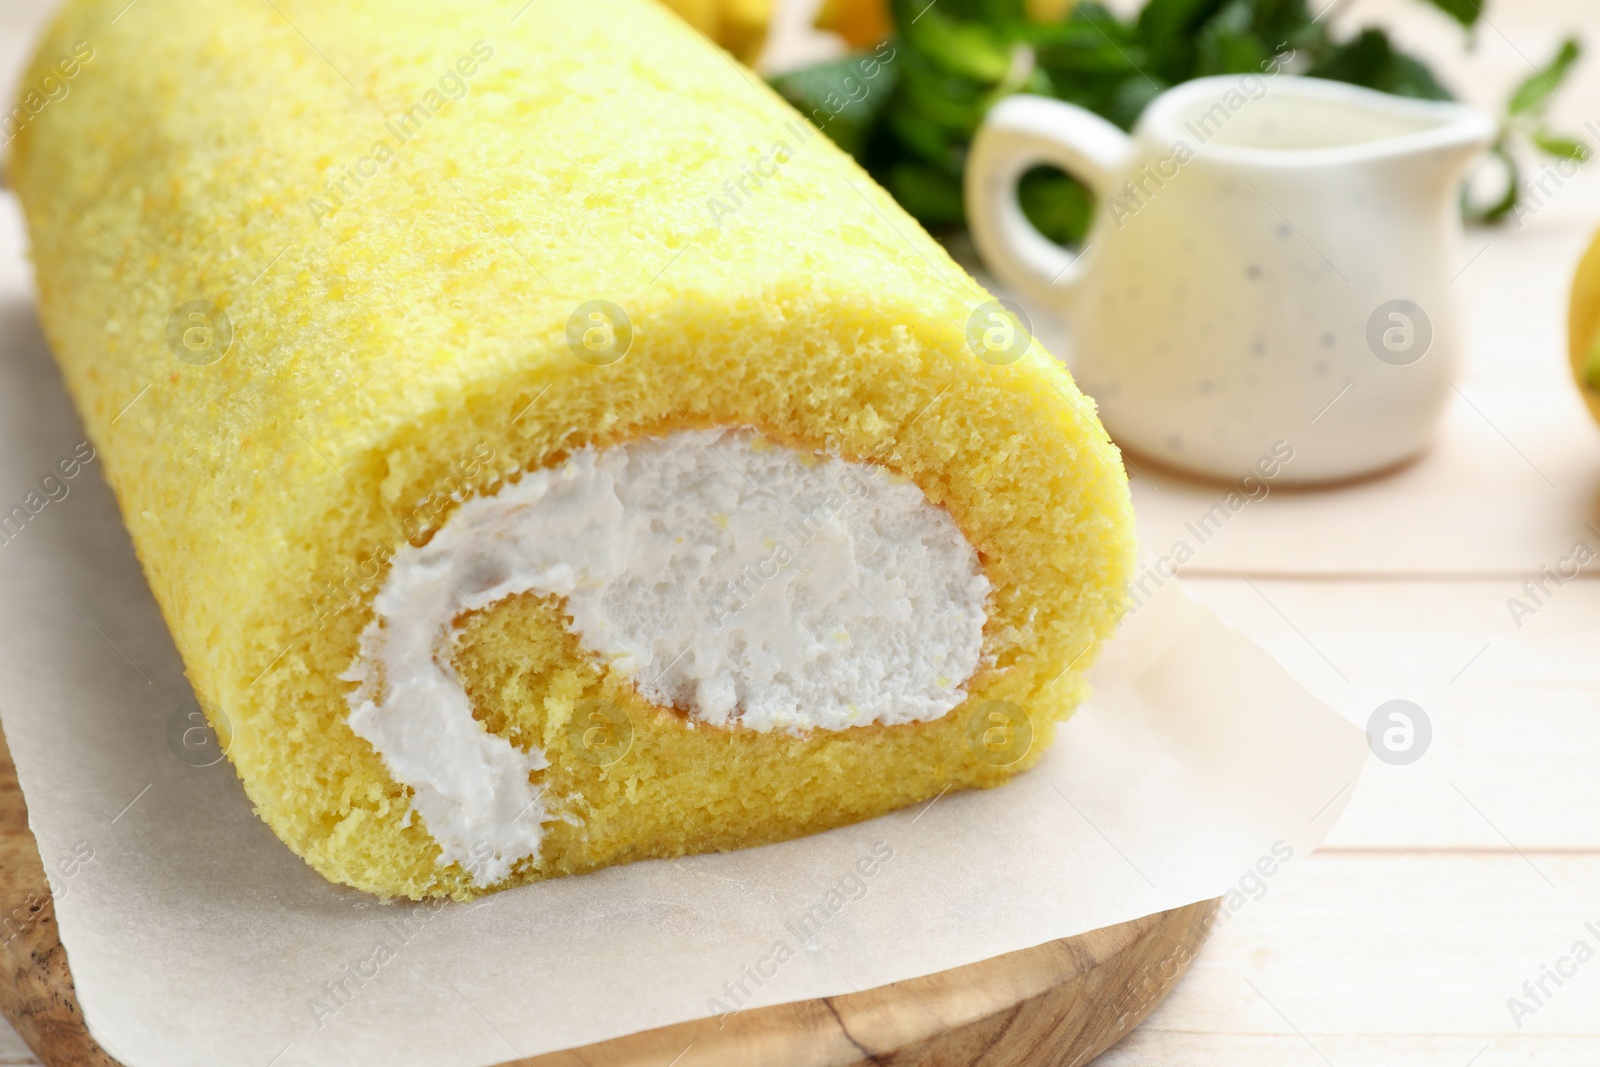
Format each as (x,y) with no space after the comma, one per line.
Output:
(1560,146)
(1166,21)
(1080,47)
(1130,99)
(917,136)
(932,196)
(990,12)
(1098,63)
(1411,77)
(1057,204)
(1534,92)
(969,49)
(1168,29)
(956,58)
(845,97)
(1465,12)
(1371,60)
(1228,54)
(1282,23)
(1507,203)
(953,103)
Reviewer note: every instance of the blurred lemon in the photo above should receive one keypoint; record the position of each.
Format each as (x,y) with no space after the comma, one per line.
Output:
(1583,327)
(863,23)
(1047,10)
(740,26)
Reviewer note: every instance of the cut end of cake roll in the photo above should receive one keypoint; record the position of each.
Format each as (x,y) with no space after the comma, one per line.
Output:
(729,584)
(726,622)
(547,449)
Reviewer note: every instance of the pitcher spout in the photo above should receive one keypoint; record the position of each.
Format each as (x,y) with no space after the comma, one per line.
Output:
(1441,156)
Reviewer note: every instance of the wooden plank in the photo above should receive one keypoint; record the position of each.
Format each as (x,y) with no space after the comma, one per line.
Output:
(36,995)
(1151,1045)
(1352,642)
(1393,959)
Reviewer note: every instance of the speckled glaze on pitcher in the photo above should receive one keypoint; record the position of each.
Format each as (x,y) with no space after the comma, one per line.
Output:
(1270,263)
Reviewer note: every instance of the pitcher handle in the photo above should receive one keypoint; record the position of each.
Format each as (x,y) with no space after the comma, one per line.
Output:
(1019,133)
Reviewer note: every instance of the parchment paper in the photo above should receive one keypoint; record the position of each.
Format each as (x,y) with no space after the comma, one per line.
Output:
(196,938)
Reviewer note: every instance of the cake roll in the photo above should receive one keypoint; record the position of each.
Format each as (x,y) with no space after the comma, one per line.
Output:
(547,449)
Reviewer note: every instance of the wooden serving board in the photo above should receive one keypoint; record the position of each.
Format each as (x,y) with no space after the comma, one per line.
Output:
(1060,1004)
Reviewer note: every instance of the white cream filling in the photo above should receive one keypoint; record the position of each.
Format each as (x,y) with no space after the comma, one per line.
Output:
(741,582)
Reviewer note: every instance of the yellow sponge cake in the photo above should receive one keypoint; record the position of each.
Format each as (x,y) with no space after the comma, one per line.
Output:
(548,450)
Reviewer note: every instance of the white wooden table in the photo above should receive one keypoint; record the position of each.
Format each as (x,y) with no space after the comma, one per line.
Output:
(1454,880)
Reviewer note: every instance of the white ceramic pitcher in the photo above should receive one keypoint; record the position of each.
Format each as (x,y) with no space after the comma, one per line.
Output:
(1270,263)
